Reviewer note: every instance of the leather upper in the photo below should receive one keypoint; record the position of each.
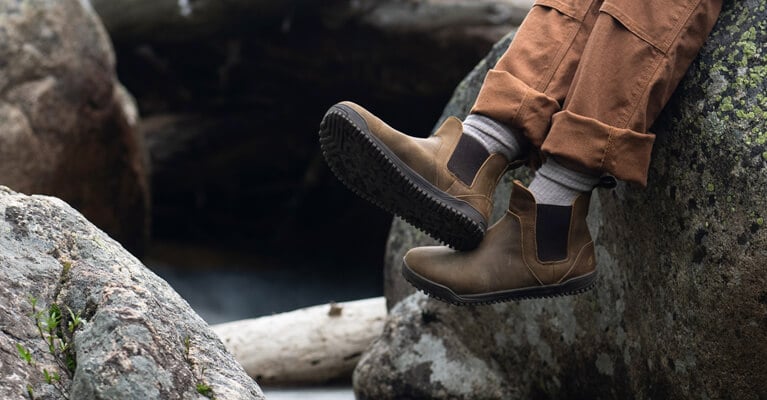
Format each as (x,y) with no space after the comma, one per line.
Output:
(429,158)
(507,258)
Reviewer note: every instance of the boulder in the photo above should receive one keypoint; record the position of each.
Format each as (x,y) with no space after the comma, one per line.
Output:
(67,127)
(679,309)
(139,20)
(117,330)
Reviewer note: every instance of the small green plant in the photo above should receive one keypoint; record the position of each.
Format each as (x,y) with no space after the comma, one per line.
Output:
(199,373)
(24,354)
(58,338)
(187,346)
(205,390)
(66,267)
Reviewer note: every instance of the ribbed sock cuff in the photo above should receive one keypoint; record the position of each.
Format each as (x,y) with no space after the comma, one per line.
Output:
(557,185)
(496,137)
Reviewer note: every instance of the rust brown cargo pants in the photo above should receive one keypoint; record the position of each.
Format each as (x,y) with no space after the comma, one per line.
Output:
(584,80)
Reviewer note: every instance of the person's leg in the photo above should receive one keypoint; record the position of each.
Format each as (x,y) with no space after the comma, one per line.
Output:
(635,57)
(529,83)
(606,117)
(444,184)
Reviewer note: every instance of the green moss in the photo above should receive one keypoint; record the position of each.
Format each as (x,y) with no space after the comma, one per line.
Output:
(731,57)
(749,35)
(710,187)
(726,105)
(753,78)
(718,66)
(764,156)
(745,114)
(760,221)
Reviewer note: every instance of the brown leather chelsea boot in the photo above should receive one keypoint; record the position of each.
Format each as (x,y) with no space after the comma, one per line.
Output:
(534,250)
(443,184)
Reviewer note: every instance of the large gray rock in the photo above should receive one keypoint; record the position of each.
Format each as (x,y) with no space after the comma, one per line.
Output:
(138,339)
(66,126)
(679,310)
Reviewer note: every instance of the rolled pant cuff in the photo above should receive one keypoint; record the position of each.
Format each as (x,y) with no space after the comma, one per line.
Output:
(508,100)
(596,146)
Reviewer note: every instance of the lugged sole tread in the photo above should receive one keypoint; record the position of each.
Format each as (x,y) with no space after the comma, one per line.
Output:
(422,287)
(351,154)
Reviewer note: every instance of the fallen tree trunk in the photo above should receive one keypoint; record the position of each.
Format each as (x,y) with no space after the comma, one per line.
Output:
(306,346)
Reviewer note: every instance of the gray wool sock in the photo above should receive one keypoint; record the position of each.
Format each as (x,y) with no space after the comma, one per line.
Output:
(556,185)
(494,136)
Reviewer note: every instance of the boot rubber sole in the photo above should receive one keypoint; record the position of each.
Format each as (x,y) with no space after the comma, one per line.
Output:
(440,292)
(372,171)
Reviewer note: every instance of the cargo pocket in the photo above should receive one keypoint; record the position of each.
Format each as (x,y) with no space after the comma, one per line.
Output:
(574,9)
(547,36)
(656,22)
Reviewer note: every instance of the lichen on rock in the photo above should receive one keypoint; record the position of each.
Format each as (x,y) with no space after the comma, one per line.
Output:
(679,308)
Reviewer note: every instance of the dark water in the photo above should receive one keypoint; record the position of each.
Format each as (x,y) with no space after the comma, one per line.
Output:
(223,288)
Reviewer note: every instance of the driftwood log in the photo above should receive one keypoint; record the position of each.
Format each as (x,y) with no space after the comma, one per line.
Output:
(307,346)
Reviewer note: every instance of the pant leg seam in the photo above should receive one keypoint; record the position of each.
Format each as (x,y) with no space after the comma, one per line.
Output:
(624,123)
(640,87)
(635,107)
(684,24)
(563,50)
(689,11)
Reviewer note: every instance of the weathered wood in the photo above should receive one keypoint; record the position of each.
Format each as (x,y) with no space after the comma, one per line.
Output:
(310,345)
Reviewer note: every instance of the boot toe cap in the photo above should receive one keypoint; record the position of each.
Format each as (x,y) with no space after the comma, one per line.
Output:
(425,260)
